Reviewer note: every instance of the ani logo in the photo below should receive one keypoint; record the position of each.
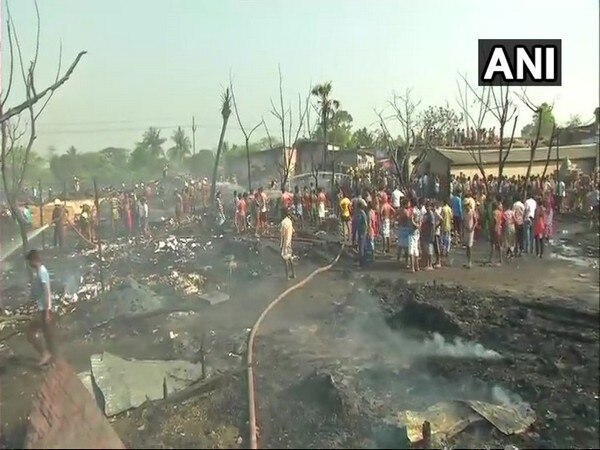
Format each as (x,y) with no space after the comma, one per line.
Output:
(521,62)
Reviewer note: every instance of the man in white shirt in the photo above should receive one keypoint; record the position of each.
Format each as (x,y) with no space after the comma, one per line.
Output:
(286,231)
(396,196)
(561,193)
(143,215)
(530,207)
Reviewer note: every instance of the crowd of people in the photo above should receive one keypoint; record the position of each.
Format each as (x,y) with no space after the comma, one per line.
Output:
(516,217)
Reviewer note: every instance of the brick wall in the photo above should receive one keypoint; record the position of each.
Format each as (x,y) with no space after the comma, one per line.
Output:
(64,414)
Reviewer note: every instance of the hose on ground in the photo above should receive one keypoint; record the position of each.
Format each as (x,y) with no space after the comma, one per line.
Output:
(250,351)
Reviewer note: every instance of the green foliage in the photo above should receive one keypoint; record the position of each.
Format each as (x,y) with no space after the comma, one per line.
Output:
(148,157)
(339,129)
(438,121)
(237,150)
(182,147)
(110,164)
(362,138)
(547,122)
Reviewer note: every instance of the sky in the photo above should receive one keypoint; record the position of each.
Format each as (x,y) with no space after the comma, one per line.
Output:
(160,62)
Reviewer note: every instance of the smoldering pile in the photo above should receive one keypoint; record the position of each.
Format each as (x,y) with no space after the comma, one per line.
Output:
(181,249)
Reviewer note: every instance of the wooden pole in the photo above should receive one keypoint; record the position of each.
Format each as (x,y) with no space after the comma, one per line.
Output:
(97,204)
(557,155)
(193,135)
(42,213)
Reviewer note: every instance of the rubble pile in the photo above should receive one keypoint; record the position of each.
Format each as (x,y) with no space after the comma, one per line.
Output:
(188,283)
(182,249)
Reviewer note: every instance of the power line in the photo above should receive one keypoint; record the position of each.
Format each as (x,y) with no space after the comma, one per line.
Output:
(139,129)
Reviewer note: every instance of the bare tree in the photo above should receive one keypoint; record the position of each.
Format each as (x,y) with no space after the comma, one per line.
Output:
(12,129)
(500,104)
(538,113)
(247,134)
(225,113)
(472,120)
(553,136)
(285,117)
(405,114)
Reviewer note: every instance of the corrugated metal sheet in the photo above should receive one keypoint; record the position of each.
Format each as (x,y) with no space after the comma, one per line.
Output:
(127,384)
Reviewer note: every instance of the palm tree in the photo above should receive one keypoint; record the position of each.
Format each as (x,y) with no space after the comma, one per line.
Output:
(327,107)
(225,113)
(152,142)
(72,151)
(182,146)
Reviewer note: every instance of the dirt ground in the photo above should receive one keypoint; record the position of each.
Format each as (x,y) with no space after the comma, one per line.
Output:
(340,358)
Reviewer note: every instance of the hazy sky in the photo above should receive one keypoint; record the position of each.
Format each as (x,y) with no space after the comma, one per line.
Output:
(158,62)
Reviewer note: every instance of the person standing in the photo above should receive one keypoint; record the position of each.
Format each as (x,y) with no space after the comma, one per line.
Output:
(519,217)
(403,231)
(362,231)
(40,292)
(143,215)
(414,238)
(469,225)
(446,229)
(396,196)
(530,207)
(285,243)
(322,199)
(428,235)
(539,228)
(345,217)
(387,212)
(509,230)
(58,219)
(178,199)
(457,213)
(496,232)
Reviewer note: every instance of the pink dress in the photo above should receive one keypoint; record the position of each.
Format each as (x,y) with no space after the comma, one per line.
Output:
(539,222)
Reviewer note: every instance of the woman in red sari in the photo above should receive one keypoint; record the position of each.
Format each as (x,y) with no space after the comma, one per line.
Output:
(539,227)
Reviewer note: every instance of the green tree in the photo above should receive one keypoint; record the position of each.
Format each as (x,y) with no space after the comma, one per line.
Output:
(152,142)
(327,107)
(339,129)
(436,122)
(543,112)
(182,147)
(148,154)
(72,151)
(362,138)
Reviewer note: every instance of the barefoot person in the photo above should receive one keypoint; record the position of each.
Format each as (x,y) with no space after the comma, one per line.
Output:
(345,213)
(285,244)
(40,292)
(387,212)
(469,228)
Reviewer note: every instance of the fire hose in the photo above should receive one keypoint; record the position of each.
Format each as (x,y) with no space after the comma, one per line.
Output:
(250,351)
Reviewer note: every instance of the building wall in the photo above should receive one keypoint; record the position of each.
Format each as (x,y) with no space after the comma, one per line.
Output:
(537,168)
(438,165)
(264,165)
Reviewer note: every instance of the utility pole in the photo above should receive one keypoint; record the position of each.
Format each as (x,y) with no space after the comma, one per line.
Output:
(193,135)
(97,224)
(41,196)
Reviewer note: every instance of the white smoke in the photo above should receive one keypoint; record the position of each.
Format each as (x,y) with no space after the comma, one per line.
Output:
(438,346)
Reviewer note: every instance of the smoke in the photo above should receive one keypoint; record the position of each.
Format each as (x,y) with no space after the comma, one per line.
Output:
(369,334)
(71,283)
(438,346)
